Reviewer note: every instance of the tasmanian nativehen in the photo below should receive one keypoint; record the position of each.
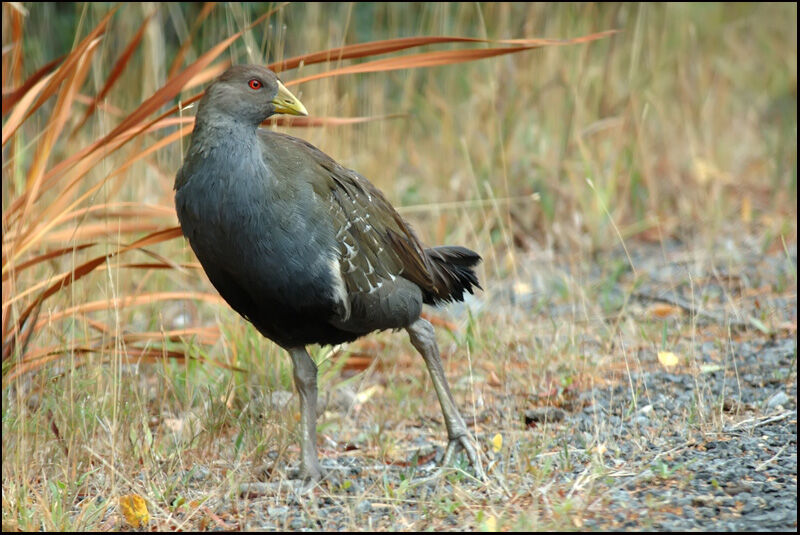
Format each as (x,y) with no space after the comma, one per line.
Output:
(306,250)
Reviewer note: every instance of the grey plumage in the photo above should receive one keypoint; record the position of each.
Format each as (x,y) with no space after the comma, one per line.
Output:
(305,249)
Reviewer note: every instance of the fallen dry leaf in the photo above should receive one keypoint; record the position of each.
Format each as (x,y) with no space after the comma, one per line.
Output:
(497,442)
(667,358)
(134,509)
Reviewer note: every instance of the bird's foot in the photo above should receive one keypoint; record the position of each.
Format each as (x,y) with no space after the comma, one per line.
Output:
(449,460)
(312,474)
(463,443)
(308,473)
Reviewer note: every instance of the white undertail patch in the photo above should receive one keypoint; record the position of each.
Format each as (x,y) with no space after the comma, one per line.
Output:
(339,289)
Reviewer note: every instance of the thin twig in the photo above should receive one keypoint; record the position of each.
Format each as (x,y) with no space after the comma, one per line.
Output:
(762,420)
(763,465)
(690,308)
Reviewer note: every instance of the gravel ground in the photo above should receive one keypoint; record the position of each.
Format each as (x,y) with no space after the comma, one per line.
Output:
(707,445)
(738,475)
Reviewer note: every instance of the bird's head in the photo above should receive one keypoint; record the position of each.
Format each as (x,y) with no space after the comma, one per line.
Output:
(250,94)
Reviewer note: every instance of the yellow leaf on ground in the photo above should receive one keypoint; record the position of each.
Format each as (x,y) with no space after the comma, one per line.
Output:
(668,358)
(491,524)
(497,442)
(134,509)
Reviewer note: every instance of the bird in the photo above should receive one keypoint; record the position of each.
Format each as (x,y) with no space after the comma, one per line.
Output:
(307,250)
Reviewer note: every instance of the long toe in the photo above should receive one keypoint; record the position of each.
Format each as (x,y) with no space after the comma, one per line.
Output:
(463,442)
(314,474)
(310,473)
(304,480)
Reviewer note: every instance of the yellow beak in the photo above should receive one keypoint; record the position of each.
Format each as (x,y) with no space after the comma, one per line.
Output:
(285,102)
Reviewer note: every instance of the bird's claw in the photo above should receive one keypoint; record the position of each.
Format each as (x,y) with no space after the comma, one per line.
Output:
(459,443)
(313,475)
(307,476)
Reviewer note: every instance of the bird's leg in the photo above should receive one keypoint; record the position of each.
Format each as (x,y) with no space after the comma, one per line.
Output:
(423,338)
(305,379)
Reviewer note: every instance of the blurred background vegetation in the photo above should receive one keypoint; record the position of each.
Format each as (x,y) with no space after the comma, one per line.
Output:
(681,128)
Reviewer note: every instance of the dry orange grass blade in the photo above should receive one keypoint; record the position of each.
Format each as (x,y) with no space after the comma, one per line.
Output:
(60,208)
(206,76)
(361,50)
(12,63)
(358,50)
(65,70)
(204,335)
(413,61)
(104,106)
(18,268)
(11,97)
(131,355)
(116,72)
(175,85)
(61,113)
(55,215)
(161,264)
(129,301)
(108,218)
(89,159)
(125,210)
(154,265)
(165,94)
(448,57)
(208,7)
(103,229)
(157,354)
(374,48)
(328,121)
(22,107)
(79,272)
(35,325)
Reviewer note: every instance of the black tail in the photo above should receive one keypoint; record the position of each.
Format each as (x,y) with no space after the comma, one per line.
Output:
(452,273)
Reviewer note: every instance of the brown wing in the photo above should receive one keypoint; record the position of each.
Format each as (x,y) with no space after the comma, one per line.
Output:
(379,254)
(376,245)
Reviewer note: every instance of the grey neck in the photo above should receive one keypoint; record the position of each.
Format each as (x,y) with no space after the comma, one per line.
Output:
(214,130)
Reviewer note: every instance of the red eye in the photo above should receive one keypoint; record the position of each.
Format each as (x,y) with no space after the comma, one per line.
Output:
(255,84)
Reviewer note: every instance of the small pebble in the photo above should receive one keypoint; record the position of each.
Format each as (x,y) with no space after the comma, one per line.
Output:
(277,510)
(363,507)
(778,400)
